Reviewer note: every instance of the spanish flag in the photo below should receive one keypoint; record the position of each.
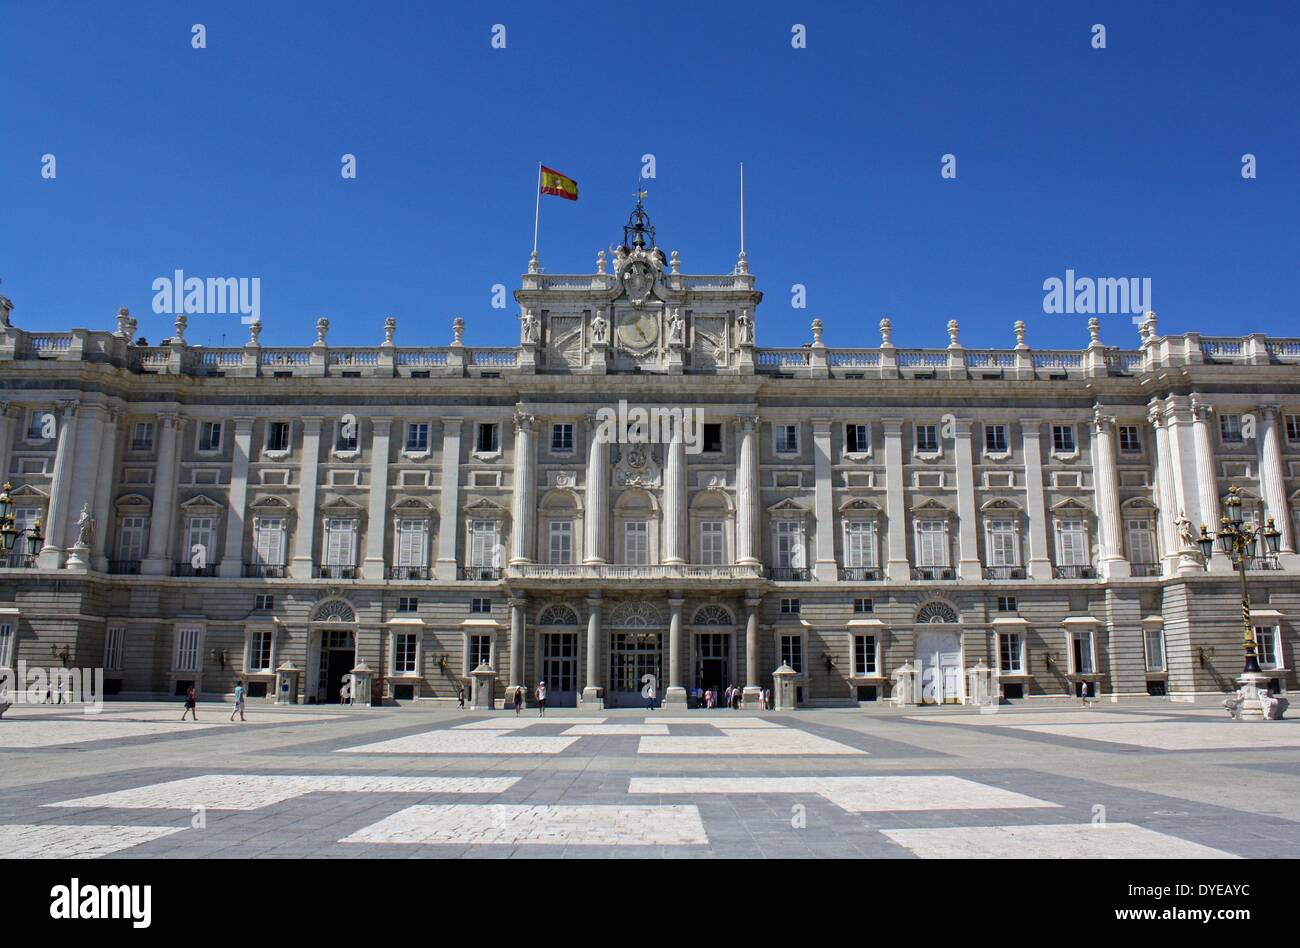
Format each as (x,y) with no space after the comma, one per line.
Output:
(552,182)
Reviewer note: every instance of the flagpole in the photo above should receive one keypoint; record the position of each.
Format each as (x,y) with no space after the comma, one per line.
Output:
(742,207)
(537,206)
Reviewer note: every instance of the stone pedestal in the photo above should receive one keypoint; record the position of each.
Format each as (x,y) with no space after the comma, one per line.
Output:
(286,684)
(78,559)
(1254,691)
(482,697)
(675,697)
(979,686)
(593,698)
(783,697)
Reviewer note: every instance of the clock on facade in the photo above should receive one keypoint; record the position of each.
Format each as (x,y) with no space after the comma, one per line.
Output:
(637,330)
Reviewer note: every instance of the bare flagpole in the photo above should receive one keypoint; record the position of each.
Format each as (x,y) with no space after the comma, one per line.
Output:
(742,207)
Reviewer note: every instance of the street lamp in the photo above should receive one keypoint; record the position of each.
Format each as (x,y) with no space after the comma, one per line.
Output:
(9,532)
(1239,540)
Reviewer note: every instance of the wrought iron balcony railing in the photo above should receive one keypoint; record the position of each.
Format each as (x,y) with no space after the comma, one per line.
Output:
(789,574)
(480,574)
(1142,570)
(264,571)
(1004,572)
(406,572)
(933,572)
(1074,572)
(189,569)
(124,567)
(336,572)
(860,574)
(19,561)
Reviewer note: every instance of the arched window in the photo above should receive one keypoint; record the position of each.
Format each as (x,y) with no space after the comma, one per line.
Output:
(636,614)
(936,612)
(557,615)
(335,610)
(713,615)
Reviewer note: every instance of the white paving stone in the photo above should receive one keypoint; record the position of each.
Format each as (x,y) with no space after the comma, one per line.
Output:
(513,723)
(1184,735)
(59,841)
(464,742)
(1069,841)
(20,733)
(1021,719)
(511,824)
(720,722)
(613,730)
(778,742)
(253,791)
(855,794)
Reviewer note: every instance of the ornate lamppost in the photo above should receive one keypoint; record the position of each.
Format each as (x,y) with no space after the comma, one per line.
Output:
(9,533)
(1239,539)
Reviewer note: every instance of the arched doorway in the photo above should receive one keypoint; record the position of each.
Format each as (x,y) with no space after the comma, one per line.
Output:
(332,650)
(557,632)
(712,632)
(938,654)
(636,639)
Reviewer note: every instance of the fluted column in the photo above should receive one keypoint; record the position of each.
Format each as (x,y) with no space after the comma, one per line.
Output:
(675,501)
(449,500)
(304,538)
(591,697)
(897,568)
(8,427)
(51,555)
(523,511)
(232,558)
(675,696)
(102,509)
(752,687)
(162,511)
(517,631)
(1272,486)
(1166,494)
(968,562)
(824,566)
(1105,481)
(1207,482)
(377,515)
(597,491)
(1040,563)
(747,494)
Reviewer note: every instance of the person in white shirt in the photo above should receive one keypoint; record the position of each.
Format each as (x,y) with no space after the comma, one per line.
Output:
(541,699)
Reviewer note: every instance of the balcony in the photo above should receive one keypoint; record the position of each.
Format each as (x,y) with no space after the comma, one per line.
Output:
(1074,572)
(124,567)
(1004,572)
(1144,570)
(19,561)
(336,572)
(932,573)
(860,574)
(264,571)
(406,572)
(479,574)
(790,574)
(622,571)
(1263,562)
(188,569)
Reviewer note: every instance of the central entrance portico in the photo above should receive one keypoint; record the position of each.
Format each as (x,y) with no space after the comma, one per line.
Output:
(939,654)
(638,633)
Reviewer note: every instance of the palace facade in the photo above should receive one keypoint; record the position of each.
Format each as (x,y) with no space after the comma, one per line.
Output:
(205,514)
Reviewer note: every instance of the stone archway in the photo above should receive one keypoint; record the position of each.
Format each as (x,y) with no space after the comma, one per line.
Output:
(937,633)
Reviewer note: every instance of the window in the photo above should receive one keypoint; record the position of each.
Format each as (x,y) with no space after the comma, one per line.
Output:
(408,604)
(864,656)
(7,645)
(1293,428)
(861,606)
(789,607)
(1230,429)
(202,534)
(712,441)
(485,440)
(1130,439)
(712,543)
(417,436)
(787,439)
(1266,646)
(636,543)
(347,435)
(142,436)
(1007,604)
(927,439)
(1002,546)
(480,651)
(404,645)
(277,436)
(562,439)
(792,651)
(995,439)
(860,544)
(561,542)
(268,535)
(483,543)
(1071,543)
(25,517)
(1141,541)
(480,605)
(1081,656)
(1010,653)
(210,436)
(340,541)
(412,542)
(114,646)
(1063,439)
(263,601)
(259,650)
(857,439)
(130,539)
(931,543)
(188,645)
(1155,640)
(789,544)
(36,425)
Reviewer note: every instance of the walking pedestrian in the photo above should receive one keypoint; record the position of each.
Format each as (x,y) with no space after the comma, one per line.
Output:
(63,689)
(650,696)
(541,699)
(519,700)
(239,701)
(191,704)
(460,697)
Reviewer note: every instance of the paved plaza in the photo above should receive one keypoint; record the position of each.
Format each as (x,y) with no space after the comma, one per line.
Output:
(1114,781)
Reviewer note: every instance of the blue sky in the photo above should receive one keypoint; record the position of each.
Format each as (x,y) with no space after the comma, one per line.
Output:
(225,161)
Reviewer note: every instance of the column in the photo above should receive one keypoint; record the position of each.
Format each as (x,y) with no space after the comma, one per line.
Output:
(752,687)
(304,536)
(448,500)
(1166,496)
(747,495)
(8,430)
(1272,487)
(232,557)
(377,509)
(163,509)
(1182,454)
(824,567)
(1040,563)
(897,568)
(523,511)
(51,555)
(102,508)
(517,628)
(675,696)
(85,476)
(1105,482)
(591,696)
(675,501)
(1207,482)
(968,556)
(597,489)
